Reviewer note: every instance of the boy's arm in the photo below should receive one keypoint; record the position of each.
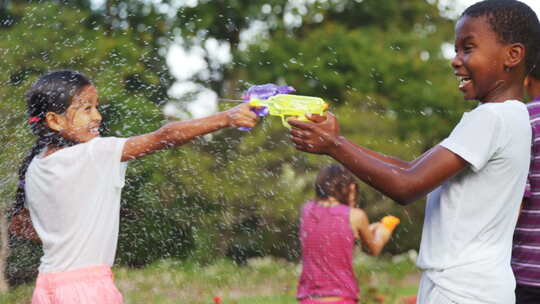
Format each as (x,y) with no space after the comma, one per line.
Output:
(177,133)
(386,158)
(390,159)
(373,237)
(403,185)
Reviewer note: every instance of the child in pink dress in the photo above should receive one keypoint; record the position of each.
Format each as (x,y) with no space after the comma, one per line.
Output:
(330,226)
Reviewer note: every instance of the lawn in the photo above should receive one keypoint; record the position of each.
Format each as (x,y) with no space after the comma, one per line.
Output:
(263,280)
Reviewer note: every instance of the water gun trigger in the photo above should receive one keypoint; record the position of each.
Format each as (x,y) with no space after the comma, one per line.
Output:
(285,118)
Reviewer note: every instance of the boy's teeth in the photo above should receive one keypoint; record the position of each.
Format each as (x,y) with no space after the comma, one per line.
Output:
(464,79)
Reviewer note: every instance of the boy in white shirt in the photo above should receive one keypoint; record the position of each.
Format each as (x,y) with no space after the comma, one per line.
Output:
(477,175)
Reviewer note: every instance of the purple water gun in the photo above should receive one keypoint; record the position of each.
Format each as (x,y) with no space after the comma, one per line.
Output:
(264,91)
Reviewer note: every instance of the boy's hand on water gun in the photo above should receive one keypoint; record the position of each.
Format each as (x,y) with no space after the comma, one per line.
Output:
(241,116)
(320,135)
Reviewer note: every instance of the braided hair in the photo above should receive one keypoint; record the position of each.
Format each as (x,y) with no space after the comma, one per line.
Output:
(52,92)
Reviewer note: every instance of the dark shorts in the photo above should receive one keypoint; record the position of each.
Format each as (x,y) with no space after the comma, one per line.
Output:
(527,294)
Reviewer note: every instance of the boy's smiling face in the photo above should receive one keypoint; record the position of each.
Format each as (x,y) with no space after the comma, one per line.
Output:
(479,59)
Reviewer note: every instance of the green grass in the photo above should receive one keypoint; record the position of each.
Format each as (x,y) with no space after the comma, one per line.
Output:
(264,280)
(19,295)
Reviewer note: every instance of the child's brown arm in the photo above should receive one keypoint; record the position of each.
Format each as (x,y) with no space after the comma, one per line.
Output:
(177,133)
(403,185)
(373,237)
(392,160)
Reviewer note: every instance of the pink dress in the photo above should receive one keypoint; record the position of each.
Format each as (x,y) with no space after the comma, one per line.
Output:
(327,247)
(86,285)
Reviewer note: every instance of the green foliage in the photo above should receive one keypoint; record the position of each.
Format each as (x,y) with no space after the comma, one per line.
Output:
(398,72)
(40,39)
(380,66)
(149,231)
(377,62)
(23,261)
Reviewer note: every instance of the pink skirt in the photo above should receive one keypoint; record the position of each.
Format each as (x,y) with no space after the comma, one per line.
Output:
(88,285)
(313,301)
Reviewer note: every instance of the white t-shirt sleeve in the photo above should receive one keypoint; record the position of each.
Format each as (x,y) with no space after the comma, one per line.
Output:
(106,152)
(477,137)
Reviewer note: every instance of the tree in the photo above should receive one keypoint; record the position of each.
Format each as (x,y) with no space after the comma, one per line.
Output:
(377,62)
(380,65)
(122,65)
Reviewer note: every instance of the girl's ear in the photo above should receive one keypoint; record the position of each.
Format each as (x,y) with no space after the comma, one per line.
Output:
(515,55)
(55,121)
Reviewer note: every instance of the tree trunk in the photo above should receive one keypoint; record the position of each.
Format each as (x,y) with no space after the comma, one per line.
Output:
(3,251)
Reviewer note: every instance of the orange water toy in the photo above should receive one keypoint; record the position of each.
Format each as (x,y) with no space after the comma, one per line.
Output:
(390,222)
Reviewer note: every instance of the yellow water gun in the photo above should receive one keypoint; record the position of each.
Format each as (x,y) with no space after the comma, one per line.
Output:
(288,105)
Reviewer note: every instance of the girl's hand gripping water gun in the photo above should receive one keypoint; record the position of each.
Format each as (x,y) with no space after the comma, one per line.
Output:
(264,91)
(384,228)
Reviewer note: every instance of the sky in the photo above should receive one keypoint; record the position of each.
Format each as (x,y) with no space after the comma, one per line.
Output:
(184,65)
(461,5)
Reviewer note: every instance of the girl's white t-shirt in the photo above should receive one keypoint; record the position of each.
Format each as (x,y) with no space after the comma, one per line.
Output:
(469,222)
(73,196)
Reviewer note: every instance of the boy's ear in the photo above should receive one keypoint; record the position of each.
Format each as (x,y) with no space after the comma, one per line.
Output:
(54,121)
(515,55)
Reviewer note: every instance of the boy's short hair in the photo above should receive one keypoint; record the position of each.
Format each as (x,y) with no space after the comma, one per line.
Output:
(514,22)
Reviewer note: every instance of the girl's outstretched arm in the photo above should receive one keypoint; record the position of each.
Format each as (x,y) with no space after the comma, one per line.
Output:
(177,133)
(403,184)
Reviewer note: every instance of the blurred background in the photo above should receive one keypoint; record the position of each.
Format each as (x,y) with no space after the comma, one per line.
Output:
(232,198)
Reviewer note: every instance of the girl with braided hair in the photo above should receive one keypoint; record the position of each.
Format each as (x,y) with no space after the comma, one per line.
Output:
(72,180)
